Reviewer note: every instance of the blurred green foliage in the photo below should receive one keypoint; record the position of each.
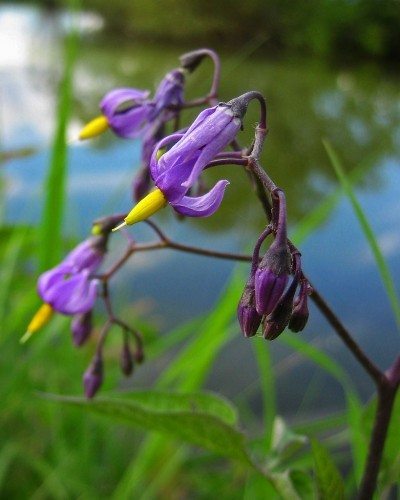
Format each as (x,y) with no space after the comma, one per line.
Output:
(338,28)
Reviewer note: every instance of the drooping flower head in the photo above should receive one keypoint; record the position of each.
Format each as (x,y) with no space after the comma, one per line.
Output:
(129,112)
(179,168)
(69,288)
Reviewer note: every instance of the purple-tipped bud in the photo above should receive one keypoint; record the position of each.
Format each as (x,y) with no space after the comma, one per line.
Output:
(81,327)
(93,376)
(275,323)
(271,277)
(126,360)
(248,317)
(300,313)
(169,92)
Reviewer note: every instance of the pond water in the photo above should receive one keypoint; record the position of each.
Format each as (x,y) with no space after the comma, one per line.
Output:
(357,109)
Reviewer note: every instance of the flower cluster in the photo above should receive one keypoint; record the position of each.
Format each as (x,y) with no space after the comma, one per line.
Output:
(266,298)
(130,113)
(174,164)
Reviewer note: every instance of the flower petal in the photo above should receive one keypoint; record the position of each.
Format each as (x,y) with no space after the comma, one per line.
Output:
(211,149)
(51,278)
(156,166)
(110,102)
(202,206)
(74,295)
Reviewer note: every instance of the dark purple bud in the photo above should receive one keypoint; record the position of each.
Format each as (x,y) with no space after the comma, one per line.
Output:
(139,355)
(271,277)
(141,183)
(248,317)
(300,312)
(275,323)
(126,359)
(81,327)
(93,376)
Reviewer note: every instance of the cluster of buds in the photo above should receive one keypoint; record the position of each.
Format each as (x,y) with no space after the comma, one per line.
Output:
(173,165)
(266,298)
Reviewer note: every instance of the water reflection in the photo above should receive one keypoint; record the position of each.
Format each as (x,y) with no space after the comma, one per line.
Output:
(358,110)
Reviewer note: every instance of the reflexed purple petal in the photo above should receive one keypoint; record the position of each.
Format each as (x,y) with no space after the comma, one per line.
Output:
(201,117)
(50,278)
(130,123)
(156,166)
(199,136)
(74,295)
(84,256)
(170,91)
(127,111)
(110,102)
(202,206)
(171,181)
(211,149)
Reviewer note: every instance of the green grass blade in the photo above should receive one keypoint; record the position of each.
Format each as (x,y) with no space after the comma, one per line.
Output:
(50,233)
(267,381)
(368,232)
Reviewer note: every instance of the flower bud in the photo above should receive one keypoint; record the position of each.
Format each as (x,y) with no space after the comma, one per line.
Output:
(300,312)
(141,183)
(271,277)
(275,323)
(93,376)
(126,359)
(139,355)
(81,327)
(248,317)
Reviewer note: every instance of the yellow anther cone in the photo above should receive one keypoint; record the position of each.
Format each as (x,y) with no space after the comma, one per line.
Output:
(95,127)
(146,207)
(41,318)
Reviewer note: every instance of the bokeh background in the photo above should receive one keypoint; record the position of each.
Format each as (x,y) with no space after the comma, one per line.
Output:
(329,69)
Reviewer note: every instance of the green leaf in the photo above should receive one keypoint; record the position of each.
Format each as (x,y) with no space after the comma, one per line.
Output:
(204,402)
(367,230)
(267,381)
(329,481)
(303,483)
(285,442)
(198,428)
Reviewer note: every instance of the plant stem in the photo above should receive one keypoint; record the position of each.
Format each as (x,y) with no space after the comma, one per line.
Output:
(386,397)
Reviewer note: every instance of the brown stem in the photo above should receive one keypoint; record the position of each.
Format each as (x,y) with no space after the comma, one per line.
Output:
(343,333)
(386,398)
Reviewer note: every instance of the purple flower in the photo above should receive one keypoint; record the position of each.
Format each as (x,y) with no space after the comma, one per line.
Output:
(127,111)
(68,288)
(180,167)
(271,277)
